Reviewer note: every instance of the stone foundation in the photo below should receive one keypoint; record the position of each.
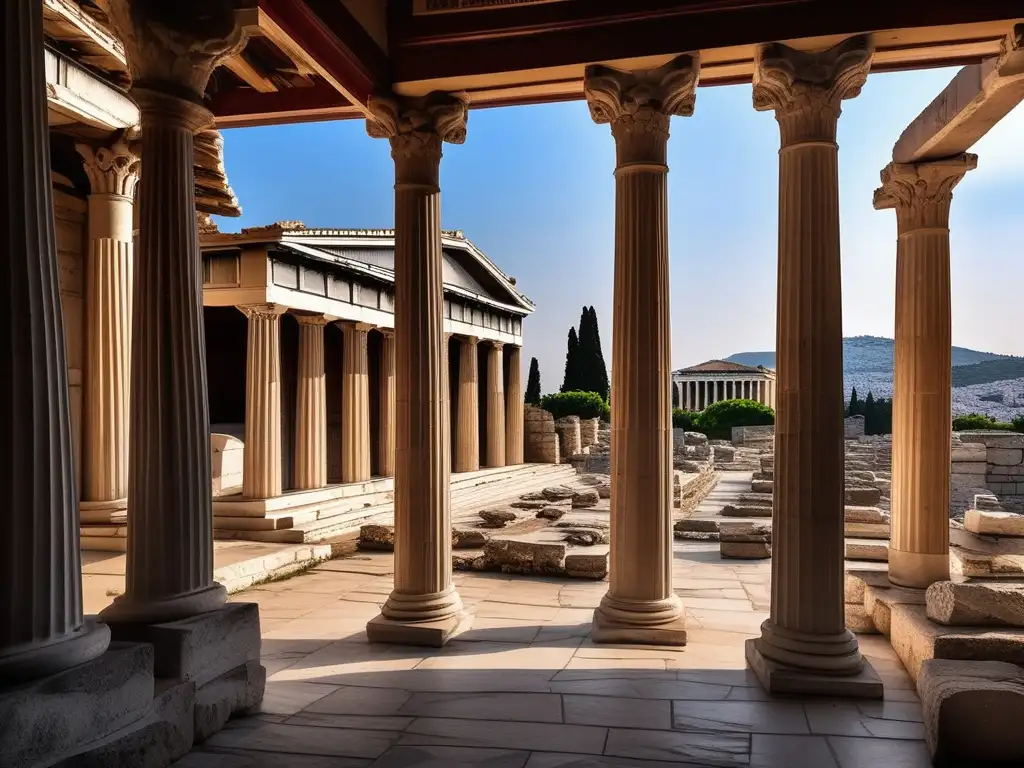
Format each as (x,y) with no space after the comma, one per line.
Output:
(540,438)
(568,428)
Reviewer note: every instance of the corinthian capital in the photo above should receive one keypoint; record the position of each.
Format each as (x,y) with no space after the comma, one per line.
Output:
(416,128)
(638,104)
(921,192)
(173,46)
(806,88)
(112,170)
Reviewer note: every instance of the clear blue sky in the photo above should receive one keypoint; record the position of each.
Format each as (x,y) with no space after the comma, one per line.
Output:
(533,187)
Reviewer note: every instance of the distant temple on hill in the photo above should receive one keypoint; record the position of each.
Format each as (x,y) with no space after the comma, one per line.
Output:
(700,385)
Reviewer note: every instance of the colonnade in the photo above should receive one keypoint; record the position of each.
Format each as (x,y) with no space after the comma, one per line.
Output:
(698,394)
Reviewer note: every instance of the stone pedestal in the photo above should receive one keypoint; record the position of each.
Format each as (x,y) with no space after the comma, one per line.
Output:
(311,406)
(386,444)
(640,606)
(261,477)
(355,405)
(424,608)
(494,447)
(514,408)
(113,173)
(805,646)
(921,430)
(467,420)
(42,631)
(169,571)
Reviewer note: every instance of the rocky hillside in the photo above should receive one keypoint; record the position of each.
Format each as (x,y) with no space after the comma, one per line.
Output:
(984,382)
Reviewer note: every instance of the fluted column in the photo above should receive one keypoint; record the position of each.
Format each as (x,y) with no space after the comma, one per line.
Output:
(424,607)
(355,404)
(640,605)
(261,473)
(170,533)
(311,405)
(494,446)
(805,643)
(921,427)
(514,408)
(113,173)
(386,444)
(41,626)
(467,419)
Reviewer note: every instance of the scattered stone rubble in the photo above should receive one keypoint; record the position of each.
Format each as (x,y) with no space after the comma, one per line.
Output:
(745,540)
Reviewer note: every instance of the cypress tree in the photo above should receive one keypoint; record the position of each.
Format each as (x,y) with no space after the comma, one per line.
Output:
(572,353)
(869,414)
(675,395)
(600,369)
(585,365)
(533,383)
(854,407)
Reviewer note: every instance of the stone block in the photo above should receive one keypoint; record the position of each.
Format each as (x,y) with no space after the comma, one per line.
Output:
(586,566)
(689,466)
(557,493)
(584,499)
(469,539)
(587,537)
(695,438)
(199,648)
(237,692)
(745,531)
(864,496)
(981,604)
(745,550)
(880,596)
(430,634)
(865,515)
(1004,456)
(968,452)
(594,480)
(526,557)
(605,490)
(780,679)
(737,510)
(703,526)
(985,523)
(867,549)
(974,556)
(762,486)
(64,713)
(858,620)
(969,467)
(993,439)
(860,476)
(497,517)
(867,530)
(377,538)
(552,513)
(972,712)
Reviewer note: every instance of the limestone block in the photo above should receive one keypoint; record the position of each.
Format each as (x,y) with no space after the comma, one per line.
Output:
(987,523)
(530,504)
(592,479)
(689,466)
(552,513)
(865,515)
(994,439)
(867,549)
(762,486)
(974,556)
(588,431)
(588,566)
(469,539)
(867,530)
(695,438)
(968,452)
(583,499)
(586,537)
(63,713)
(1004,456)
(227,457)
(605,490)
(724,454)
(857,580)
(858,620)
(742,510)
(704,526)
(743,531)
(236,692)
(863,496)
(981,604)
(746,550)
(568,428)
(556,493)
(988,501)
(880,596)
(972,711)
(377,537)
(497,517)
(525,556)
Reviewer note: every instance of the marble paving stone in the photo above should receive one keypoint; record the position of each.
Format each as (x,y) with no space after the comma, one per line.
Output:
(351,700)
(874,753)
(739,716)
(618,712)
(491,610)
(544,737)
(519,658)
(564,760)
(301,739)
(694,747)
(645,689)
(780,751)
(499,630)
(529,707)
(358,722)
(846,719)
(448,757)
(289,697)
(591,650)
(618,667)
(206,757)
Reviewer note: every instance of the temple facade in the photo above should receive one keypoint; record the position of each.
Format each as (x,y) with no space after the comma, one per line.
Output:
(699,386)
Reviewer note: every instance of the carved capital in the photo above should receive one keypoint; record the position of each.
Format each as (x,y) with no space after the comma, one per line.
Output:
(206,225)
(314,320)
(112,170)
(173,47)
(806,89)
(921,192)
(638,105)
(416,128)
(262,311)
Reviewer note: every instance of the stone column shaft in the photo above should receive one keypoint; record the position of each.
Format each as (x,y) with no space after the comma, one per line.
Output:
(386,445)
(355,405)
(806,632)
(261,474)
(921,428)
(113,174)
(640,605)
(42,630)
(514,411)
(424,607)
(467,438)
(311,405)
(494,449)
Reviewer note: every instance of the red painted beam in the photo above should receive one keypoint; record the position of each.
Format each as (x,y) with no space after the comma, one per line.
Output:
(240,107)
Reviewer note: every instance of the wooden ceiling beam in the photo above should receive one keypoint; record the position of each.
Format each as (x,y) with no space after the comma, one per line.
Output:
(241,107)
(242,66)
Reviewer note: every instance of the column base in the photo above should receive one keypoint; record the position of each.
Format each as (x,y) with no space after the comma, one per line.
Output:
(103,512)
(36,660)
(779,678)
(917,569)
(432,633)
(129,609)
(659,622)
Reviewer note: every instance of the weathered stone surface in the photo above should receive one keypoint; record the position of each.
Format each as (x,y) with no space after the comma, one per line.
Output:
(862,496)
(377,537)
(993,439)
(1004,456)
(725,453)
(755,499)
(865,515)
(762,486)
(704,526)
(745,531)
(236,692)
(552,513)
(583,499)
(530,504)
(867,549)
(594,479)
(861,476)
(695,535)
(689,465)
(980,604)
(497,517)
(588,566)
(857,579)
(557,493)
(525,556)
(469,539)
(969,452)
(695,438)
(597,525)
(974,556)
(586,538)
(605,490)
(972,711)
(736,510)
(986,523)
(746,550)
(535,496)
(880,596)
(867,530)
(858,620)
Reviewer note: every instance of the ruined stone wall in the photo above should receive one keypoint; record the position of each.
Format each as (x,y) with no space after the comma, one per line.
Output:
(568,428)
(753,436)
(588,432)
(1004,460)
(853,427)
(539,436)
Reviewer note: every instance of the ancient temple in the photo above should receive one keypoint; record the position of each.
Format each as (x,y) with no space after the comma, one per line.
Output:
(697,386)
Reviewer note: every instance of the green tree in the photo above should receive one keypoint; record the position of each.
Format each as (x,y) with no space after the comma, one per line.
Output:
(675,396)
(533,383)
(855,405)
(600,374)
(571,380)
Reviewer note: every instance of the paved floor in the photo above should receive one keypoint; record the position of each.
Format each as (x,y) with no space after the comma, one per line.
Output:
(526,687)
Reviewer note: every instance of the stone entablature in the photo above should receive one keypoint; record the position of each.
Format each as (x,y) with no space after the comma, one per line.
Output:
(700,385)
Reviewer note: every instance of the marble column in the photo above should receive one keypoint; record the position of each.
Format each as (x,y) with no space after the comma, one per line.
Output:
(386,444)
(311,405)
(42,630)
(113,172)
(805,646)
(355,404)
(261,474)
(467,418)
(494,447)
(424,608)
(169,572)
(921,429)
(640,605)
(514,411)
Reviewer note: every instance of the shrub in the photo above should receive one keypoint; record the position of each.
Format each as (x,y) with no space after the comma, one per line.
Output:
(717,420)
(981,421)
(586,405)
(1018,423)
(683,419)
